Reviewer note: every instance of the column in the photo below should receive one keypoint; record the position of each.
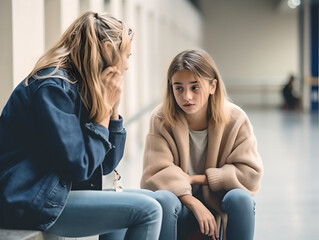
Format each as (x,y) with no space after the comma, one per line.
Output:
(59,14)
(92,5)
(115,8)
(129,102)
(28,36)
(6,49)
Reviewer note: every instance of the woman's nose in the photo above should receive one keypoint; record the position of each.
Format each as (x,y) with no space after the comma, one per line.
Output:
(187,95)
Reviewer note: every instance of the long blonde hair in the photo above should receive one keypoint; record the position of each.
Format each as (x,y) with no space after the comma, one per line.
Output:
(89,45)
(203,67)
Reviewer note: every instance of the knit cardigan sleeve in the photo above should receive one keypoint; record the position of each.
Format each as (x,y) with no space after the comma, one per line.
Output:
(161,161)
(239,163)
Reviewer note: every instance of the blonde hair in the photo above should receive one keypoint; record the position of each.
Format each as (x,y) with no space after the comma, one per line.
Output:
(203,67)
(90,44)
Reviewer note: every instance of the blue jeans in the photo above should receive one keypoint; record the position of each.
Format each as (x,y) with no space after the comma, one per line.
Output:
(88,213)
(239,206)
(171,206)
(179,222)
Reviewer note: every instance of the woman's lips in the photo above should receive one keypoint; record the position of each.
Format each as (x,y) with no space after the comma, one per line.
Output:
(188,105)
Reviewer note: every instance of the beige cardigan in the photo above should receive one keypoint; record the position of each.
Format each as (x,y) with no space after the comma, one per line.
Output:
(232,158)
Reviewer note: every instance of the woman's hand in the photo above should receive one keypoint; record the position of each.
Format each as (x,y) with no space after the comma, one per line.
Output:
(112,80)
(205,218)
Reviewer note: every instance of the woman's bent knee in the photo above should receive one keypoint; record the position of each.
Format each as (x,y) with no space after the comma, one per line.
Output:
(151,209)
(238,199)
(168,200)
(240,208)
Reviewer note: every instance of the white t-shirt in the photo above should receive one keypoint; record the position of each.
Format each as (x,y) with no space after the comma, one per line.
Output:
(197,153)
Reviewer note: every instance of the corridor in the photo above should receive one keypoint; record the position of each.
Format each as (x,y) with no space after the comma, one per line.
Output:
(287,206)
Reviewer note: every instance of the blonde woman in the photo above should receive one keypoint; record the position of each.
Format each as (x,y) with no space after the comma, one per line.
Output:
(201,147)
(61,130)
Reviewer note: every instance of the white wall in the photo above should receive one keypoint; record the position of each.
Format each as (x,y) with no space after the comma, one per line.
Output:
(255,46)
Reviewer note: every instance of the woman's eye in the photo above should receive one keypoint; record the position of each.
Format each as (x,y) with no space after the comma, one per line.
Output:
(195,88)
(179,89)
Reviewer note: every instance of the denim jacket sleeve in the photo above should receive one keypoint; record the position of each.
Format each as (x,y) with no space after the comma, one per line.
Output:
(117,136)
(75,151)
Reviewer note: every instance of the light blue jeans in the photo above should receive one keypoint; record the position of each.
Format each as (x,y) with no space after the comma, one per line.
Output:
(180,223)
(90,213)
(171,207)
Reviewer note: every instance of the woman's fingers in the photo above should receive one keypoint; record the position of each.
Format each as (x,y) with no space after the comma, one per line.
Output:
(111,76)
(209,227)
(205,218)
(109,70)
(112,80)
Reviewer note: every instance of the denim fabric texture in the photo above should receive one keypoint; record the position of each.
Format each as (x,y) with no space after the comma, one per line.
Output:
(131,214)
(171,206)
(48,142)
(239,206)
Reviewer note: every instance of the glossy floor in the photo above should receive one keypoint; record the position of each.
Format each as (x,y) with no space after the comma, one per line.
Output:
(288,202)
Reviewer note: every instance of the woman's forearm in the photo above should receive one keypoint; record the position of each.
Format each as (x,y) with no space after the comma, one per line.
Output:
(198,179)
(189,201)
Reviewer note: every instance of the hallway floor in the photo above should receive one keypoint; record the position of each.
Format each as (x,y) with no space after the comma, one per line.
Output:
(287,206)
(288,202)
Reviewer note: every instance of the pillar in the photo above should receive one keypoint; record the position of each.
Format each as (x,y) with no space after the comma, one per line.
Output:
(6,49)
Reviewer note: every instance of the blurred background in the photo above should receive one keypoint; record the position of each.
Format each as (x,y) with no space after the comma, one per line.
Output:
(257,45)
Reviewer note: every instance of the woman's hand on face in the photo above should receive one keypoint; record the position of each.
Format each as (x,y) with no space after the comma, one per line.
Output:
(112,80)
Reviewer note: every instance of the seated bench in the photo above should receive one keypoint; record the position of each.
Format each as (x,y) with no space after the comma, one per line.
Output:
(12,234)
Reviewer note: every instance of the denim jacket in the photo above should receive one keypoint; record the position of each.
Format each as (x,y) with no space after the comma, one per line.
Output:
(48,142)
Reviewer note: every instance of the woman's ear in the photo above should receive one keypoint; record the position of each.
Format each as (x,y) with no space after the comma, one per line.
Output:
(212,86)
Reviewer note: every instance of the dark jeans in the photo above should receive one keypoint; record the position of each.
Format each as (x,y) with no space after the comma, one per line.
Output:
(240,208)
